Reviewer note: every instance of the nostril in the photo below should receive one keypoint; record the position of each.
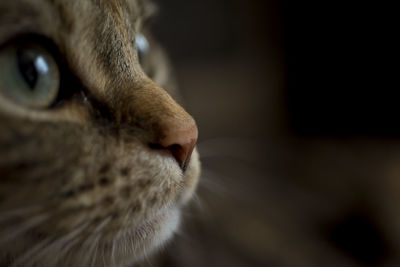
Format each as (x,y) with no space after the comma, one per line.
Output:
(175,149)
(180,142)
(180,153)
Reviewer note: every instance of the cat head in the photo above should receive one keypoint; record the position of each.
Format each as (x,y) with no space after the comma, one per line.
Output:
(96,158)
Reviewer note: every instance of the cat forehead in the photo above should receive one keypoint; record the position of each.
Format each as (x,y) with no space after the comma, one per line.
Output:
(133,9)
(63,11)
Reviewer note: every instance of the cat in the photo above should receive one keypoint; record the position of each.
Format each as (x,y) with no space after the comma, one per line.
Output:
(97,160)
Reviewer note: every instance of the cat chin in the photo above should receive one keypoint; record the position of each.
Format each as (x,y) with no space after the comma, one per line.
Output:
(162,227)
(147,238)
(130,247)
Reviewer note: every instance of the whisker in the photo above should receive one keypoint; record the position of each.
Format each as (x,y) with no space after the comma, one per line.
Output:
(93,240)
(104,260)
(229,140)
(112,252)
(227,146)
(63,245)
(94,249)
(43,248)
(8,234)
(197,201)
(21,260)
(5,215)
(125,242)
(249,151)
(146,256)
(148,259)
(212,181)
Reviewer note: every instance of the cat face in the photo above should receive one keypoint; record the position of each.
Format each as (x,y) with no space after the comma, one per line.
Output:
(96,158)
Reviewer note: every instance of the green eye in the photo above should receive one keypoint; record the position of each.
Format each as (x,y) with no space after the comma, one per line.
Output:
(29,76)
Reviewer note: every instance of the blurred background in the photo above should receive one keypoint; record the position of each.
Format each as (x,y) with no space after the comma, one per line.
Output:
(299,136)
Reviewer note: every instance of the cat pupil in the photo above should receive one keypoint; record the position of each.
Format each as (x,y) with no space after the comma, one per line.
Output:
(29,64)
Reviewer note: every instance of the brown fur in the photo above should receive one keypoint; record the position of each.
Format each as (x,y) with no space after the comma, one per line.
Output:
(79,185)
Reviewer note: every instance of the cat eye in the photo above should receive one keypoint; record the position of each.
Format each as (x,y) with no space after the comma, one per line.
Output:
(29,75)
(142,45)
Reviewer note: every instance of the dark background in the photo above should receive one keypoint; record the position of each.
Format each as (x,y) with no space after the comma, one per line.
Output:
(323,61)
(299,132)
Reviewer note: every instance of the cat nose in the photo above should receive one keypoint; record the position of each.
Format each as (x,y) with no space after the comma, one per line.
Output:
(180,140)
(167,125)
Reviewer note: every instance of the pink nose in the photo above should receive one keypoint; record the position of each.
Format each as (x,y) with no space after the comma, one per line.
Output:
(180,141)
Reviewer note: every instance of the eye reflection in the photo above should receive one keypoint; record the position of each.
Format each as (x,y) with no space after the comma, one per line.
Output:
(142,43)
(41,65)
